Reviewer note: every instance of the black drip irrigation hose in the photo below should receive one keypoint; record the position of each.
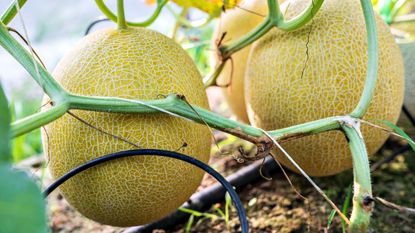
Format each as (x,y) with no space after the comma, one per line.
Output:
(163,153)
(391,157)
(408,114)
(203,200)
(93,23)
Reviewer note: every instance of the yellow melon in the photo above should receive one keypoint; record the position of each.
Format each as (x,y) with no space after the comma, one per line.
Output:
(284,87)
(236,23)
(135,64)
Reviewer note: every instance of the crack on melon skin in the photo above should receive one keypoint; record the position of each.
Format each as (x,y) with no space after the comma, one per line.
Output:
(135,64)
(332,83)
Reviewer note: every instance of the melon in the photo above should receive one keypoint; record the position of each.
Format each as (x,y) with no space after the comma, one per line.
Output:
(236,23)
(285,87)
(132,63)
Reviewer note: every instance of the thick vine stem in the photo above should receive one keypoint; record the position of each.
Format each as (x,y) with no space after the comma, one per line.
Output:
(11,11)
(302,19)
(37,120)
(178,106)
(373,56)
(362,194)
(273,19)
(121,15)
(107,12)
(35,69)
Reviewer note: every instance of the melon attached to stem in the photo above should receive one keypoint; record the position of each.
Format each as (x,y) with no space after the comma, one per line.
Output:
(319,71)
(236,23)
(132,63)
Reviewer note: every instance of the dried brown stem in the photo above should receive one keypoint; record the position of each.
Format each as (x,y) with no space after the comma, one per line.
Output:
(402,209)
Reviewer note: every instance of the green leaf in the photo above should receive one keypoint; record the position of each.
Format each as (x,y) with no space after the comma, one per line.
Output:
(190,223)
(5,155)
(22,208)
(385,10)
(331,217)
(401,133)
(346,206)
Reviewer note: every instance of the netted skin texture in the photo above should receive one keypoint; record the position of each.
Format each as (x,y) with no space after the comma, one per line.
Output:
(285,88)
(135,64)
(236,23)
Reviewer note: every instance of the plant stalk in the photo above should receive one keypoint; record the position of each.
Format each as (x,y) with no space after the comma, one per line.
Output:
(110,15)
(121,15)
(37,120)
(274,18)
(35,69)
(176,105)
(373,56)
(11,11)
(362,194)
(302,19)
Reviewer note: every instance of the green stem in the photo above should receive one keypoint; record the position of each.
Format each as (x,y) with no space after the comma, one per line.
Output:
(107,12)
(178,24)
(11,11)
(211,78)
(121,15)
(171,104)
(274,11)
(312,127)
(362,198)
(372,66)
(175,105)
(249,38)
(5,155)
(274,18)
(35,69)
(301,19)
(37,120)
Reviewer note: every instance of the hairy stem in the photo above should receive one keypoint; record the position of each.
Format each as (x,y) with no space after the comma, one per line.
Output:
(11,11)
(175,105)
(35,69)
(362,194)
(37,120)
(373,56)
